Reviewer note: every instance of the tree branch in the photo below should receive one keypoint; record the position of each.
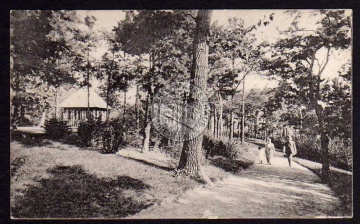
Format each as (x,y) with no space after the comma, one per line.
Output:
(325,63)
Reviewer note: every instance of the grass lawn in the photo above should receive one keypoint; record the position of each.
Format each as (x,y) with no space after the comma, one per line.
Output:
(55,180)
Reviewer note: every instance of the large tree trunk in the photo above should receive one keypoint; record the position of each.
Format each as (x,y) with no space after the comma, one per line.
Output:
(325,170)
(190,161)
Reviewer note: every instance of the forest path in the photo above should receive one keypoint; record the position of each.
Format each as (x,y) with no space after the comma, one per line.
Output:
(261,191)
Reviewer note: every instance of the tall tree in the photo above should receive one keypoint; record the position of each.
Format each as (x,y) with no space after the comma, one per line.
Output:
(84,42)
(302,58)
(41,54)
(191,155)
(162,37)
(233,56)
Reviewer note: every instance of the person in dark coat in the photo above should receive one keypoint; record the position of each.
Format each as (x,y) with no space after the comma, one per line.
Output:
(289,149)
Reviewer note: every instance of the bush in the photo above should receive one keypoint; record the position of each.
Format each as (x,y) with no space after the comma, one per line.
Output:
(230,149)
(73,139)
(88,131)
(308,147)
(341,154)
(21,122)
(133,139)
(56,129)
(110,136)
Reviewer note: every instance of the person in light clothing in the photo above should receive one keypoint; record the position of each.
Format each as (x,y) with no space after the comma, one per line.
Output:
(269,150)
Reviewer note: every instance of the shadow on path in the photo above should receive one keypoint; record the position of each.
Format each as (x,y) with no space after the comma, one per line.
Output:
(72,193)
(150,164)
(233,166)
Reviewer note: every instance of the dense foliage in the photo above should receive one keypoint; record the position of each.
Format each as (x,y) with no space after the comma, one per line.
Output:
(56,129)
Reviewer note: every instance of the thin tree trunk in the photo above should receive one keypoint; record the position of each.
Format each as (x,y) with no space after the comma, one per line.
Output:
(124,114)
(108,88)
(88,85)
(220,117)
(147,127)
(239,129)
(22,111)
(107,100)
(190,162)
(16,111)
(243,113)
(210,123)
(137,107)
(266,129)
(215,131)
(56,100)
(231,131)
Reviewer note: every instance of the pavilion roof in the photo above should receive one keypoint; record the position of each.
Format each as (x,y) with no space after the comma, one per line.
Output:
(79,99)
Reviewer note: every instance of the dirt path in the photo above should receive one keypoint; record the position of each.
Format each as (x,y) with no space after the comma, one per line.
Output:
(262,191)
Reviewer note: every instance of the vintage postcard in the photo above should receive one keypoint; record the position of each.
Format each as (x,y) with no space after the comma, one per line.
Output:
(163,114)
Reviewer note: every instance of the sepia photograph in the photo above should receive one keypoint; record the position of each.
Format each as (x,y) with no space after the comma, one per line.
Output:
(181,114)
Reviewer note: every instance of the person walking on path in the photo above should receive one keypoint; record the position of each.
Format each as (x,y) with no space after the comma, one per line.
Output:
(289,149)
(269,150)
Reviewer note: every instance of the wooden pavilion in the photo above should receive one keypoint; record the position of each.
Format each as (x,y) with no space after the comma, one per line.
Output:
(74,108)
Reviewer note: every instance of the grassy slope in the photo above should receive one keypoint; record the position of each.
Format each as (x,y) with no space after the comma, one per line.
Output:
(52,180)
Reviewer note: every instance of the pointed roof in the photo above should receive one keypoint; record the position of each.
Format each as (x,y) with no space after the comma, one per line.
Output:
(79,100)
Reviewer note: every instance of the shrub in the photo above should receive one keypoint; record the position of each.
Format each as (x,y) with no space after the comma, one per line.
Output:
(134,139)
(308,147)
(210,145)
(341,153)
(234,150)
(56,129)
(230,149)
(110,136)
(87,132)
(20,122)
(73,139)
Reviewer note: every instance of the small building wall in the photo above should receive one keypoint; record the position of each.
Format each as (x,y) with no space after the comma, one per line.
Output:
(74,116)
